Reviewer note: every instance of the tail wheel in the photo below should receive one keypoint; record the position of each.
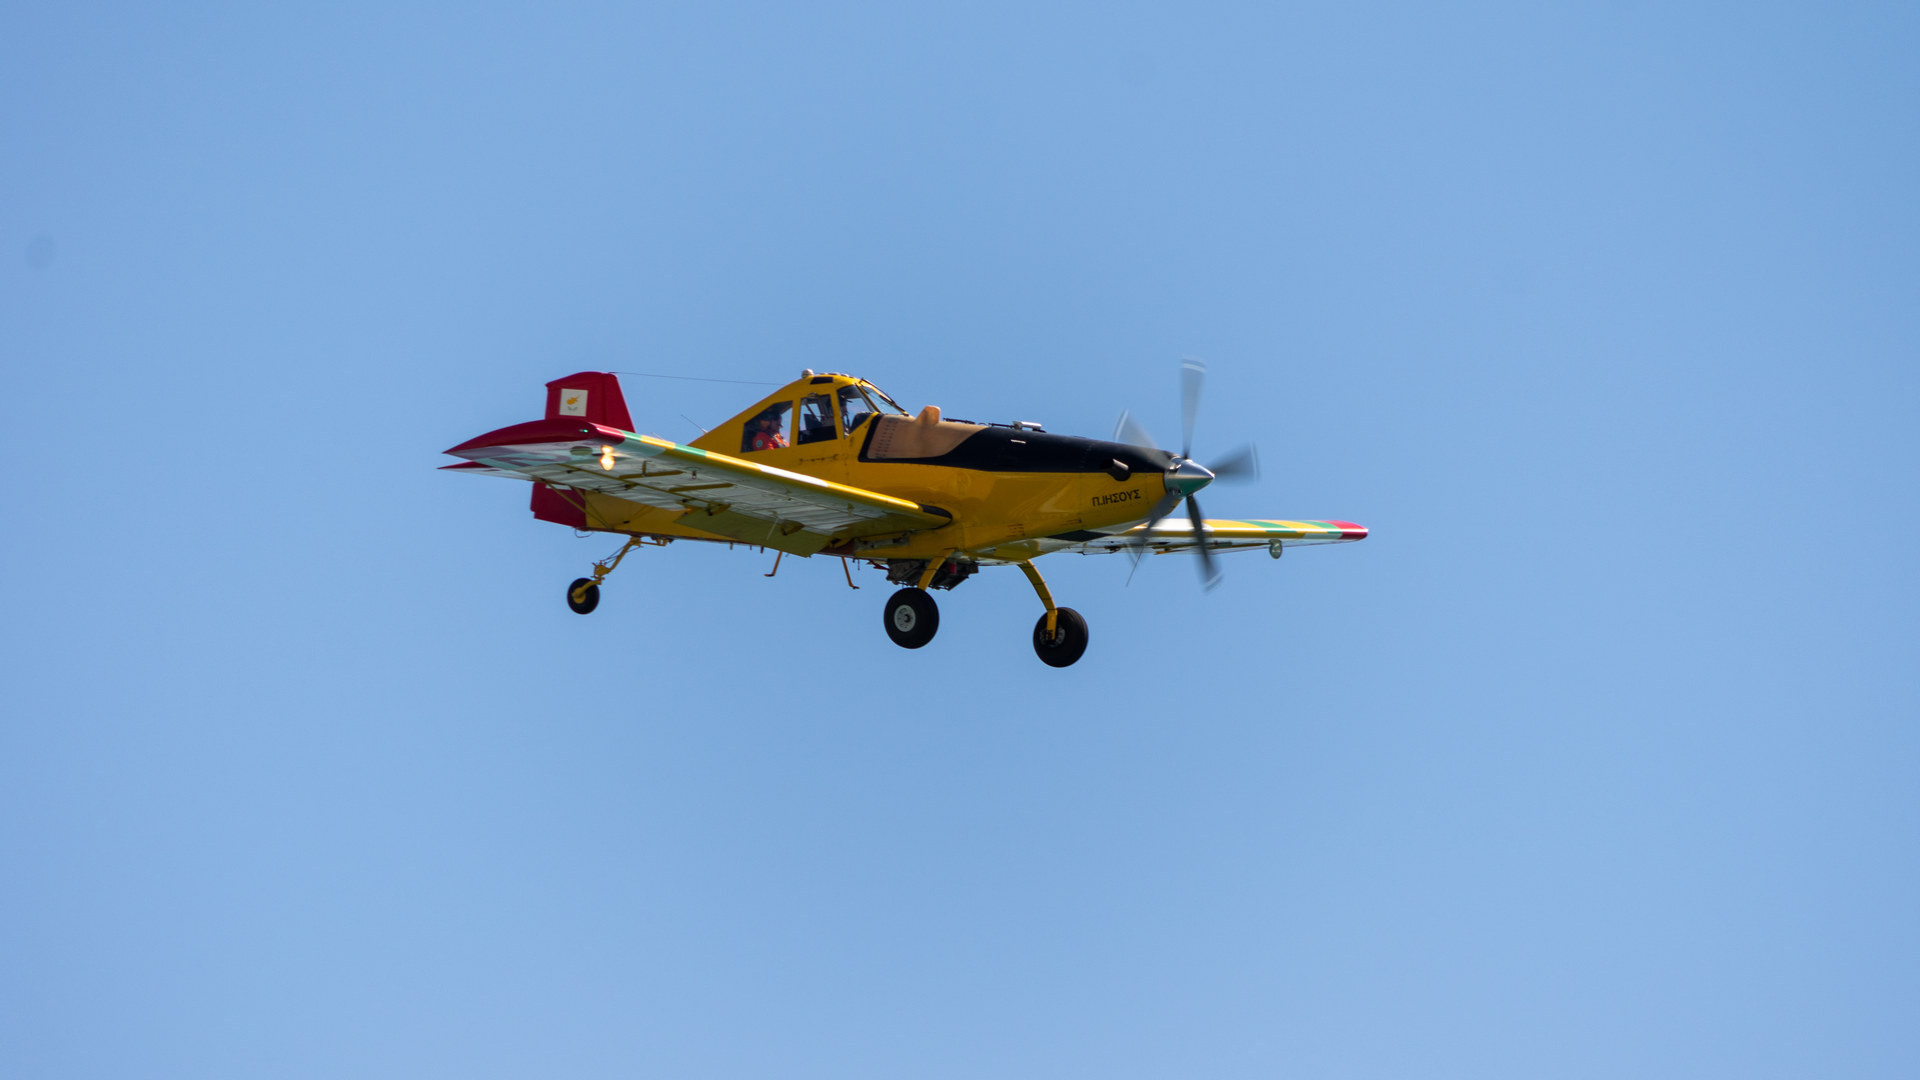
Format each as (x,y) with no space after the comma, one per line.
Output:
(1067,642)
(583,596)
(911,618)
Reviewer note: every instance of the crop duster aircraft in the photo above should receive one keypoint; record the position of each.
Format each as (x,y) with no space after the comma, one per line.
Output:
(830,465)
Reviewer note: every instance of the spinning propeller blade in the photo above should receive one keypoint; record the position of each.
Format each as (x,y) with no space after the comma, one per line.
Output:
(1241,464)
(1192,374)
(1128,430)
(1184,476)
(1209,573)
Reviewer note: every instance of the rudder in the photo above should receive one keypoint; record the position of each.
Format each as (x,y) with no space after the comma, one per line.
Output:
(593,396)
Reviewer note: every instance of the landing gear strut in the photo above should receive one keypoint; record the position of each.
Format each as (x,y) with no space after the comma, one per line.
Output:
(1060,637)
(584,594)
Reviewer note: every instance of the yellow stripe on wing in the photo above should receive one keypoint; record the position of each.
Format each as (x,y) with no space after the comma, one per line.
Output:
(649,446)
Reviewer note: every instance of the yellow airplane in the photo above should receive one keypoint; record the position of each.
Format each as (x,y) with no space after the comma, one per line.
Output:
(830,465)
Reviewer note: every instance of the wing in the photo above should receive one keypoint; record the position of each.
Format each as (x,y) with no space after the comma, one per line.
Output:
(714,493)
(1172,535)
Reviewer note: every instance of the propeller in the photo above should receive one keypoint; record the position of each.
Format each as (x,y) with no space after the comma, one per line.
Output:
(1184,476)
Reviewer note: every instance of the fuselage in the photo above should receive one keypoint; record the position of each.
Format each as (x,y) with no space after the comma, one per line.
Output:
(1005,485)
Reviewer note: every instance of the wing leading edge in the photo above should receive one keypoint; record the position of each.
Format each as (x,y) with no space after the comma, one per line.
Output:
(1171,536)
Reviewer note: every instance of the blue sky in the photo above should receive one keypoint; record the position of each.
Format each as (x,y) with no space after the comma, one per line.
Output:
(1597,758)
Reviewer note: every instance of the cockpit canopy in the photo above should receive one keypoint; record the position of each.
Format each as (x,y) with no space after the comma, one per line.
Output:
(813,409)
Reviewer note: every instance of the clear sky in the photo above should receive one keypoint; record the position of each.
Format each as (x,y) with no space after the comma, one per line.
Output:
(1598,758)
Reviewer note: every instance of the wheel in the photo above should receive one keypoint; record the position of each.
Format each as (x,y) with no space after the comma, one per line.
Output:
(1069,638)
(583,595)
(912,618)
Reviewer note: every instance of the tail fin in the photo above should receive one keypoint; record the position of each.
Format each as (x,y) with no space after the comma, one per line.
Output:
(593,396)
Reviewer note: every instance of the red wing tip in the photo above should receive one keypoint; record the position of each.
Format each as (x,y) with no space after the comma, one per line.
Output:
(1350,531)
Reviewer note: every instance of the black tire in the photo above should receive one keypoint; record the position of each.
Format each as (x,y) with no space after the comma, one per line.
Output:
(1068,642)
(912,618)
(583,596)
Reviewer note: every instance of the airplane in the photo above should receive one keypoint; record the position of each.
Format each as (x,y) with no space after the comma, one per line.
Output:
(830,465)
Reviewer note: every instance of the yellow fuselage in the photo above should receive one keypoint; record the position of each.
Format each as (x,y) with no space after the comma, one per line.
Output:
(996,511)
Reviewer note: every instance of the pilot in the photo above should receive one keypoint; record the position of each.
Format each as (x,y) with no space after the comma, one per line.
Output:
(769,436)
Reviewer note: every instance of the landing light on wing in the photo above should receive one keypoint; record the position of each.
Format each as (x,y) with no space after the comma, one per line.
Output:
(606,458)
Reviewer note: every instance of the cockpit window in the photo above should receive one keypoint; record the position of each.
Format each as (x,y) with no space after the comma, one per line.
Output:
(883,401)
(854,407)
(768,430)
(816,418)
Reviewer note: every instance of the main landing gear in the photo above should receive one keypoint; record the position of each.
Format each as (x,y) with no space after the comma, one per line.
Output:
(912,618)
(1060,637)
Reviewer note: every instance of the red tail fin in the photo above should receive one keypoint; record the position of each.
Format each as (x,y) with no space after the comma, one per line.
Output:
(593,396)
